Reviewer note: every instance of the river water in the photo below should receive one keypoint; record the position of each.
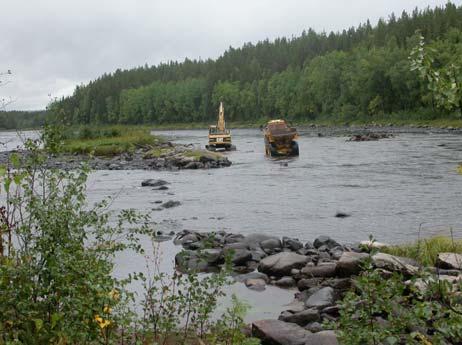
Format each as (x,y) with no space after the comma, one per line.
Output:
(390,188)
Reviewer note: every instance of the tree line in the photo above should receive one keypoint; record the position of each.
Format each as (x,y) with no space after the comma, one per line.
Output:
(358,74)
(21,119)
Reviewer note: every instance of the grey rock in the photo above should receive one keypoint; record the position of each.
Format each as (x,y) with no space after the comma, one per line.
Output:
(325,270)
(285,282)
(282,263)
(271,246)
(322,338)
(240,256)
(394,263)
(305,284)
(255,284)
(252,275)
(325,241)
(342,284)
(292,243)
(332,310)
(160,188)
(350,263)
(314,327)
(301,318)
(321,299)
(212,256)
(170,204)
(449,261)
(276,332)
(153,183)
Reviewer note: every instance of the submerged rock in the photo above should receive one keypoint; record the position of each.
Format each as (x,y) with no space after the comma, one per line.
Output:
(170,204)
(153,183)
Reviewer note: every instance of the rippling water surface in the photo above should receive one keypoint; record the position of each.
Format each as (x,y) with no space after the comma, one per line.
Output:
(388,187)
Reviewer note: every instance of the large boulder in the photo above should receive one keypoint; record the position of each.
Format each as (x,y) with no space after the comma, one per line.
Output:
(350,263)
(276,332)
(323,271)
(325,241)
(282,263)
(321,298)
(322,338)
(449,261)
(394,263)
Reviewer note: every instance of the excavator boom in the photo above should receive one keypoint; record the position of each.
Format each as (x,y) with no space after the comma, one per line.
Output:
(221,118)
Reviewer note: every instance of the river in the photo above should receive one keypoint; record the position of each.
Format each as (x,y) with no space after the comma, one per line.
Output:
(389,188)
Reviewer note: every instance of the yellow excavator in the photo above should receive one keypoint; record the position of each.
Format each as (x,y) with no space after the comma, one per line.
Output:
(219,136)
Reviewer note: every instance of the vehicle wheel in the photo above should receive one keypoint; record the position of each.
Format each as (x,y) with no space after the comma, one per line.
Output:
(295,151)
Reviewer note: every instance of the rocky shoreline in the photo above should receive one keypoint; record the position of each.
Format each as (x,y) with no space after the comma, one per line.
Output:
(320,272)
(172,157)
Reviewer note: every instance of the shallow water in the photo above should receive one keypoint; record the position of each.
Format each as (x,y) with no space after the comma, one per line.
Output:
(389,187)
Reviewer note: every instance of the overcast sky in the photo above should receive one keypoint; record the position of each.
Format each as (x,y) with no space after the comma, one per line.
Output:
(53,45)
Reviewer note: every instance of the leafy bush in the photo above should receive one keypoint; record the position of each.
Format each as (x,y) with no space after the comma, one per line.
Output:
(56,257)
(387,310)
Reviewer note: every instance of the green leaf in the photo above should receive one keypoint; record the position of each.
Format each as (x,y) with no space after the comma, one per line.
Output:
(38,324)
(15,161)
(54,319)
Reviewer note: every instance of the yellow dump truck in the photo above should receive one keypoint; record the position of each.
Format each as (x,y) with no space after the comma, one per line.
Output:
(219,136)
(280,139)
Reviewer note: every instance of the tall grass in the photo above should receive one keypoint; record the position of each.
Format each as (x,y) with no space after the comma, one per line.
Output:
(426,251)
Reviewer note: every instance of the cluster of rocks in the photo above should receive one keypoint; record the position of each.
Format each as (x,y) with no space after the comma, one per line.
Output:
(370,136)
(176,158)
(321,272)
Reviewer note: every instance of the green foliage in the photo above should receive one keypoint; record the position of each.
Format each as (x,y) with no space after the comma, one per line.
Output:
(386,310)
(425,251)
(359,74)
(56,257)
(228,330)
(99,141)
(443,74)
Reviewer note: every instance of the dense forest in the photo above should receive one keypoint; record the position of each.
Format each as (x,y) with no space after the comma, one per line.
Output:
(361,73)
(21,119)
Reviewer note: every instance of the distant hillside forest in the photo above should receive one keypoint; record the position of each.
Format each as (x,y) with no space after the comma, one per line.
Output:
(21,119)
(362,73)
